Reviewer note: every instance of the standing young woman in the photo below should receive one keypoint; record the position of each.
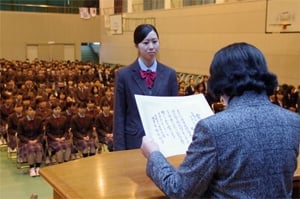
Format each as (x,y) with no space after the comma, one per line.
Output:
(145,76)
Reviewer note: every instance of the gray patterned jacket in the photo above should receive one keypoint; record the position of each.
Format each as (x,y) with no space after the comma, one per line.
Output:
(248,150)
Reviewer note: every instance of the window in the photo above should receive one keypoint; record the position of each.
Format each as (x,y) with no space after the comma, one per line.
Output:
(154,4)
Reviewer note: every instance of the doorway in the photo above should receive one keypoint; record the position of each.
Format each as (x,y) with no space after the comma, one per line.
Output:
(90,52)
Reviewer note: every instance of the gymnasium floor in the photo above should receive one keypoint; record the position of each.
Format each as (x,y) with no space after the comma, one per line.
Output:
(17,185)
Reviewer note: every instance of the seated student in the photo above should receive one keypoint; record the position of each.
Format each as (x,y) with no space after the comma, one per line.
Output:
(108,98)
(81,92)
(13,120)
(62,100)
(57,134)
(279,99)
(95,95)
(71,110)
(91,109)
(82,128)
(191,87)
(181,88)
(249,150)
(26,102)
(6,108)
(30,134)
(293,97)
(104,126)
(41,108)
(200,88)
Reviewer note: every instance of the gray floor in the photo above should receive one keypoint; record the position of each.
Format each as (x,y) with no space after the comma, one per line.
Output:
(16,184)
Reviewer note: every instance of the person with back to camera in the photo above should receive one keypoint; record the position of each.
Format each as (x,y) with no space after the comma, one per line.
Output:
(145,76)
(249,150)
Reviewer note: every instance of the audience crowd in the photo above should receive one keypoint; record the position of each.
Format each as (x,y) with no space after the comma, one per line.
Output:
(55,111)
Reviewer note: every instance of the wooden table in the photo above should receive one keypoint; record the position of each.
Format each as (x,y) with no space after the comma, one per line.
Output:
(109,175)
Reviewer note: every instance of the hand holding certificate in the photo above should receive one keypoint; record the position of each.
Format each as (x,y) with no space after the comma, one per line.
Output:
(170,121)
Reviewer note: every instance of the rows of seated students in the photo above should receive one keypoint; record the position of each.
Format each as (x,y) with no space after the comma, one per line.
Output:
(53,111)
(67,107)
(286,96)
(190,84)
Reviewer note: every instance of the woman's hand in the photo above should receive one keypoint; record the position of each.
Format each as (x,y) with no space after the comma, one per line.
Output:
(148,146)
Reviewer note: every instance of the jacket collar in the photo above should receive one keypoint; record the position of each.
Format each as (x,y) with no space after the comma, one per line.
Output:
(249,98)
(159,78)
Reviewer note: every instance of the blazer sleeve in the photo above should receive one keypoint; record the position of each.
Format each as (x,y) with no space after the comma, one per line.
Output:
(119,113)
(173,84)
(193,176)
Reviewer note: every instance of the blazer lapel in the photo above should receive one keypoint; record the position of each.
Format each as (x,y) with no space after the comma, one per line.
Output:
(140,81)
(159,78)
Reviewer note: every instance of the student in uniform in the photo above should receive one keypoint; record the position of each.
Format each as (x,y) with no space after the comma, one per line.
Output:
(30,134)
(13,121)
(145,76)
(82,127)
(57,135)
(104,126)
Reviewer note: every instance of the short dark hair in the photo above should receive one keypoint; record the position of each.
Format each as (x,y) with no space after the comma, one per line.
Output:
(141,32)
(240,67)
(55,105)
(105,103)
(70,104)
(82,105)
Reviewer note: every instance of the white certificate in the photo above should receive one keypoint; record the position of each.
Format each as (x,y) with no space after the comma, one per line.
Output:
(170,121)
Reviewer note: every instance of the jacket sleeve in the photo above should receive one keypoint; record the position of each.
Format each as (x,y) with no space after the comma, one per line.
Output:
(119,113)
(174,84)
(195,173)
(21,132)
